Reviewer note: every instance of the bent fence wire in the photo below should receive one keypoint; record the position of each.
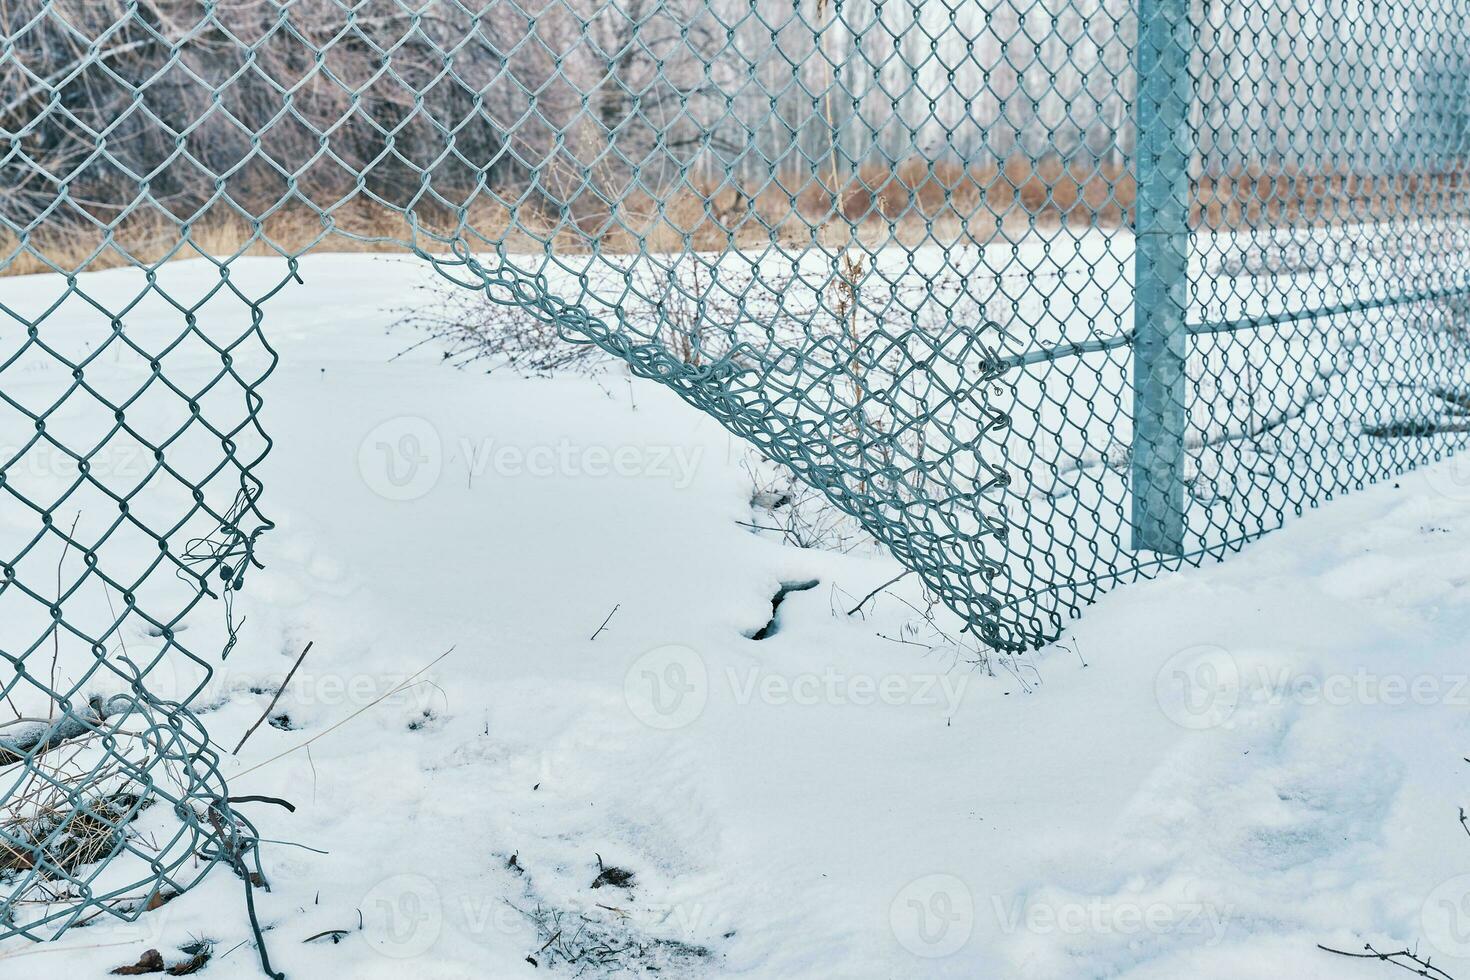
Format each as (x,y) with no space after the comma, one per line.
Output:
(1047,294)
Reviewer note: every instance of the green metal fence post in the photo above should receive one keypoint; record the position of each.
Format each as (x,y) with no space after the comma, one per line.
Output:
(1161,274)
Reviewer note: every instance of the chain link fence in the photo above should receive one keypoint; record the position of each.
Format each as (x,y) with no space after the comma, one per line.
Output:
(1047,295)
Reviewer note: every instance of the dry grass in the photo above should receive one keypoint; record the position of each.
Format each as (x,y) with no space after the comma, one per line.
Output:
(1253,197)
(70,807)
(915,201)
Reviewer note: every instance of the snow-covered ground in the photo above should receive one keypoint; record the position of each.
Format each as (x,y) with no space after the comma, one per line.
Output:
(1213,773)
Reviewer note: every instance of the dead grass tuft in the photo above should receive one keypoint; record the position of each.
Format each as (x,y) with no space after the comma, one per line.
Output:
(910,202)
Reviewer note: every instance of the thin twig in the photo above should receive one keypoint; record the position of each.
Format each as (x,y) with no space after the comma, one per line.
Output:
(606,621)
(763,527)
(1415,965)
(39,950)
(279,691)
(56,630)
(880,588)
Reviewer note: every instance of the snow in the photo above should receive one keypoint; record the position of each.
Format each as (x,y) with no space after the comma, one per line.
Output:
(1211,774)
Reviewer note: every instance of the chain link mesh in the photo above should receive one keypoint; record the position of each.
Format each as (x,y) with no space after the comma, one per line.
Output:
(1047,295)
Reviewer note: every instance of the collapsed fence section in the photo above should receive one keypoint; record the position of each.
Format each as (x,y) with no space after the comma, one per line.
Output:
(128,517)
(1046,295)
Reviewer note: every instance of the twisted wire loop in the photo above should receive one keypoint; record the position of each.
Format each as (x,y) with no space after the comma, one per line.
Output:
(891,244)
